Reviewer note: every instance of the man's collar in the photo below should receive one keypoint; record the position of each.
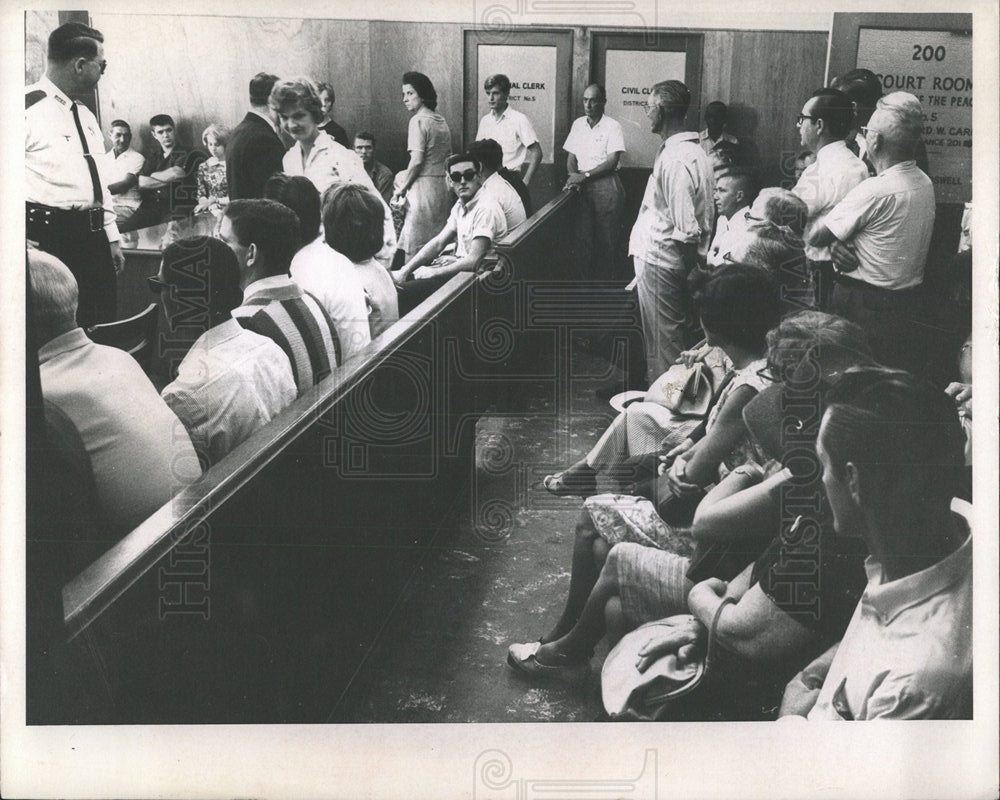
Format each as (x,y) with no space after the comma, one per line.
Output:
(499,116)
(264,117)
(683,136)
(274,287)
(45,84)
(832,149)
(71,340)
(465,206)
(889,599)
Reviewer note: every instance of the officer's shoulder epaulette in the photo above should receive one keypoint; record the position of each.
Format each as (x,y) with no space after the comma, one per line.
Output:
(33,97)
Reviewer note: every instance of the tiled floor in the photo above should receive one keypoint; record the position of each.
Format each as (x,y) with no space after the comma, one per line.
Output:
(496,573)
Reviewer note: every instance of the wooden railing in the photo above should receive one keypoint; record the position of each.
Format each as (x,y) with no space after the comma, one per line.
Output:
(87,595)
(277,505)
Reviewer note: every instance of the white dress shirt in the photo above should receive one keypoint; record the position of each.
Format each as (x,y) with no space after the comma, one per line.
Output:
(231,382)
(507,198)
(117,167)
(593,145)
(824,183)
(907,653)
(512,131)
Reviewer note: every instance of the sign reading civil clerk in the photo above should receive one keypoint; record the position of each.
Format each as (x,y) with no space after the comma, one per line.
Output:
(629,76)
(936,66)
(532,73)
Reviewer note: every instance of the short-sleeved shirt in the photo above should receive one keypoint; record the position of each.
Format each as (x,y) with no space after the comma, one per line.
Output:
(481,216)
(512,131)
(823,184)
(56,171)
(507,198)
(179,196)
(728,233)
(231,382)
(889,220)
(677,205)
(907,652)
(593,145)
(117,167)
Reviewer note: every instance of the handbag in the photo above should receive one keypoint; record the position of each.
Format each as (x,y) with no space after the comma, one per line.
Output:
(687,391)
(647,696)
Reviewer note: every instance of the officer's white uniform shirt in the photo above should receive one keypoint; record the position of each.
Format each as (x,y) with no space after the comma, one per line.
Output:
(56,172)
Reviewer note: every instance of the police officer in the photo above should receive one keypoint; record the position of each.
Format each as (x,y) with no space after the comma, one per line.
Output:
(69,209)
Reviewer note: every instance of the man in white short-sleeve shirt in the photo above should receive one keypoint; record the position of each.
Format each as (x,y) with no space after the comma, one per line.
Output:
(823,123)
(594,146)
(475,223)
(122,166)
(887,220)
(510,128)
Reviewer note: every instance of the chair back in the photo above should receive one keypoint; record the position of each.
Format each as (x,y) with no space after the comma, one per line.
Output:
(133,335)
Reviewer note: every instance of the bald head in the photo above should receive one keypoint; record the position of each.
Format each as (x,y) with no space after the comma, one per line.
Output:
(54,296)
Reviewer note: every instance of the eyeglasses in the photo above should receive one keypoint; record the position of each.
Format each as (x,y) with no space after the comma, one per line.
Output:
(864,130)
(458,177)
(102,64)
(751,218)
(803,117)
(156,285)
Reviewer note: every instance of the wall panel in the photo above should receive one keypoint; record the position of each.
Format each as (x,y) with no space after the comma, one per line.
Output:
(398,47)
(197,68)
(772,75)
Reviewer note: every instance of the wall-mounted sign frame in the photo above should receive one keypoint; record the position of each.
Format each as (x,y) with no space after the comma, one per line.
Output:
(628,64)
(930,56)
(539,63)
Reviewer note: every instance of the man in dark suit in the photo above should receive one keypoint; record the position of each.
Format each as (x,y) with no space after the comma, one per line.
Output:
(255,150)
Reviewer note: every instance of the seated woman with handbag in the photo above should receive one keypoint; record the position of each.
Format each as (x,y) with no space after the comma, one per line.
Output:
(792,599)
(738,306)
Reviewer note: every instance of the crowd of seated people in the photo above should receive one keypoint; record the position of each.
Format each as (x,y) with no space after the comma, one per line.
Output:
(803,304)
(826,555)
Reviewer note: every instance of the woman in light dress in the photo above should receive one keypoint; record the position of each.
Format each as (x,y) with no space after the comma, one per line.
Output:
(422,184)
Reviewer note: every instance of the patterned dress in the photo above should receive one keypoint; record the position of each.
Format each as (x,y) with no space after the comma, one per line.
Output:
(212,179)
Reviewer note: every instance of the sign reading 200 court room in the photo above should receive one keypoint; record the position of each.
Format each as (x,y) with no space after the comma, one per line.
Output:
(936,66)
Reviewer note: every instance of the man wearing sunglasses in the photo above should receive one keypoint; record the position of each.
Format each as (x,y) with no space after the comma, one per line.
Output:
(69,210)
(825,120)
(475,223)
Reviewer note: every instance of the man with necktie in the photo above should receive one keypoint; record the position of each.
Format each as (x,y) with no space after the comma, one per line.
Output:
(69,211)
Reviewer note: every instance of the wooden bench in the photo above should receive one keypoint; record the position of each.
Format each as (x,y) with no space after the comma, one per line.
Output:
(253,595)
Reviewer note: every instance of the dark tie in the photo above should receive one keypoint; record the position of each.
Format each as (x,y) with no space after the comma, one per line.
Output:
(91,165)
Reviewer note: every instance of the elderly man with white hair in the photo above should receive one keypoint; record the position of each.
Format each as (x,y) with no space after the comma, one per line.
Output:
(887,221)
(140,452)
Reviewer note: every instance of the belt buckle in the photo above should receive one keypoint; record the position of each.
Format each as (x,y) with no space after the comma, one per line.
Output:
(95,218)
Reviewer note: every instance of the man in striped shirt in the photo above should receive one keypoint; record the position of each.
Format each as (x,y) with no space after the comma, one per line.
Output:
(264,235)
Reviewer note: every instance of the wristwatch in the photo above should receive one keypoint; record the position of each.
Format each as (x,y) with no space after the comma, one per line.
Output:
(586,175)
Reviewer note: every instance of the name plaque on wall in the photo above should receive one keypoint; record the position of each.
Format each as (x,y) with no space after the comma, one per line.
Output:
(629,77)
(936,66)
(532,73)
(929,56)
